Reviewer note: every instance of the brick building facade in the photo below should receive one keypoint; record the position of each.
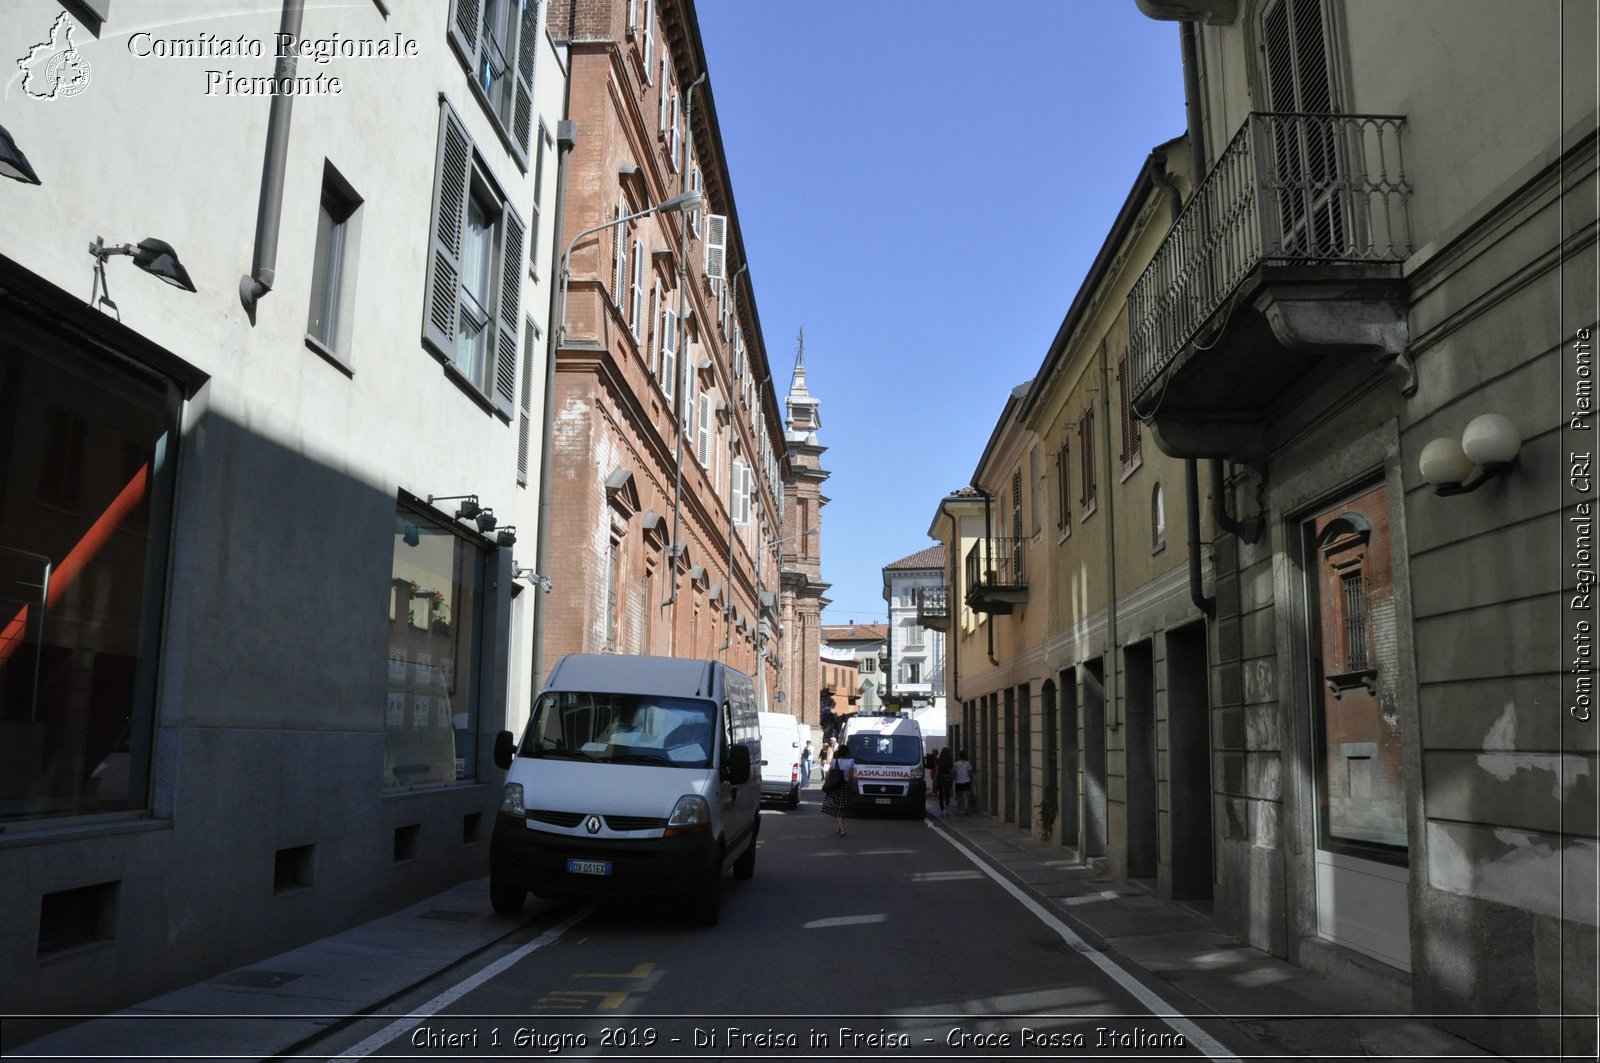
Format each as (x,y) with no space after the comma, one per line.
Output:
(667,441)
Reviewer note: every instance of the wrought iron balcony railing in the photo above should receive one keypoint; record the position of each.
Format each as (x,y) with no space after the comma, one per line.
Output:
(996,574)
(933,607)
(1290,189)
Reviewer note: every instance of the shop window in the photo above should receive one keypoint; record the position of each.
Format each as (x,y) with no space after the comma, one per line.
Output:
(435,627)
(86,448)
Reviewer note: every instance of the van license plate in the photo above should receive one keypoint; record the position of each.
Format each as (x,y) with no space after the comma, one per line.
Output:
(589,867)
(883,800)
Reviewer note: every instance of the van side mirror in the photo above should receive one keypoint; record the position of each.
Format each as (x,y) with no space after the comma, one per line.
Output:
(738,764)
(504,747)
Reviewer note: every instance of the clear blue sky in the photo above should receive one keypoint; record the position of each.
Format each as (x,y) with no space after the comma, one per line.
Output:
(922,185)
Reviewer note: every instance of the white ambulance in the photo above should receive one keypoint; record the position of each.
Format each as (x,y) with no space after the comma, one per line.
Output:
(887,751)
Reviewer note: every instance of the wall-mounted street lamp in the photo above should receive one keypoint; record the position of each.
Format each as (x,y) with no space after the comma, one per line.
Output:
(533,578)
(1487,448)
(482,516)
(155,257)
(684,201)
(13,163)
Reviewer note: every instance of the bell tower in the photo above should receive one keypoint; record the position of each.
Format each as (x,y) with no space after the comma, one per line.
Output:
(801,596)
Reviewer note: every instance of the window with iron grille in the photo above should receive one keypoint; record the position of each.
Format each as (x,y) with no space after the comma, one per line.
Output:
(1355,621)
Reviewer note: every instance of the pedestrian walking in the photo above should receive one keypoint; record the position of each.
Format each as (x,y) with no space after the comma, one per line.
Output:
(805,766)
(944,778)
(964,772)
(825,758)
(836,801)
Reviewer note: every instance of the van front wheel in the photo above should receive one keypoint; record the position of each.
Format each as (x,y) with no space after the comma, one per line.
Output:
(506,899)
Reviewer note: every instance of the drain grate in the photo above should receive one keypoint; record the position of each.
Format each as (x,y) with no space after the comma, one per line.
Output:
(259,979)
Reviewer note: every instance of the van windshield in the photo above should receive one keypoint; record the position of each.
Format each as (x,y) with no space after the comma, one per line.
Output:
(621,729)
(886,749)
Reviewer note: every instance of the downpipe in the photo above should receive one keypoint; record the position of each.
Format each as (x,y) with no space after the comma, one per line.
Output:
(269,211)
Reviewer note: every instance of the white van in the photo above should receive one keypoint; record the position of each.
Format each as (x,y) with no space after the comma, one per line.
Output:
(780,758)
(632,779)
(887,751)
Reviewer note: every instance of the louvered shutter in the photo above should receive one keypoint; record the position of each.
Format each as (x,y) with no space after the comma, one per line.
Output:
(666,96)
(636,293)
(669,352)
(649,32)
(703,430)
(673,155)
(716,246)
(633,14)
(741,492)
(689,405)
(530,339)
(1129,447)
(654,343)
(619,257)
(466,21)
(449,221)
(509,311)
(522,104)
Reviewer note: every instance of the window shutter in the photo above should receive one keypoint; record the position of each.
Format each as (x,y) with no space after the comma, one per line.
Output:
(633,14)
(654,343)
(741,492)
(509,311)
(449,220)
(677,132)
(466,20)
(669,352)
(696,182)
(1064,483)
(716,246)
(636,293)
(530,339)
(619,257)
(666,96)
(703,430)
(1130,423)
(649,35)
(522,107)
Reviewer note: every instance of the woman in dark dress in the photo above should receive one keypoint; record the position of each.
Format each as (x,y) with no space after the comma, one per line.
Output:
(836,803)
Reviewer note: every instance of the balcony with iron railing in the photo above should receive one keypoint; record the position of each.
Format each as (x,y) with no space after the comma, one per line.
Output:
(1288,252)
(933,607)
(996,574)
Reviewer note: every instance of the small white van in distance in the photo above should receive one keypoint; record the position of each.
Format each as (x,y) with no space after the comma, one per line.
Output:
(780,758)
(633,778)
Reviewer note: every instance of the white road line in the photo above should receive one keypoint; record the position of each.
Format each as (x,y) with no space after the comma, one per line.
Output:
(1197,1038)
(456,992)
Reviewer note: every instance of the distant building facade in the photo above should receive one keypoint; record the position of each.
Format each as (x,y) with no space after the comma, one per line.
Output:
(852,660)
(668,443)
(913,591)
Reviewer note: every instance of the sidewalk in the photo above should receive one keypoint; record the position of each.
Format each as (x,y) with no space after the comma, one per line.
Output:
(1199,971)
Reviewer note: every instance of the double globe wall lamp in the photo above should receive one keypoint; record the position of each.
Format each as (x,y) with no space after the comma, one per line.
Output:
(1487,448)
(483,517)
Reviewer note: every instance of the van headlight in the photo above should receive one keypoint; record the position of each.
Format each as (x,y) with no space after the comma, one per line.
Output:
(691,815)
(511,801)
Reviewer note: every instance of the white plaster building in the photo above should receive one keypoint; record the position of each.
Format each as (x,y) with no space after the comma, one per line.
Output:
(250,673)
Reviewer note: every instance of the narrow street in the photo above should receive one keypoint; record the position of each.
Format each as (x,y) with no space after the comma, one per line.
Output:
(896,938)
